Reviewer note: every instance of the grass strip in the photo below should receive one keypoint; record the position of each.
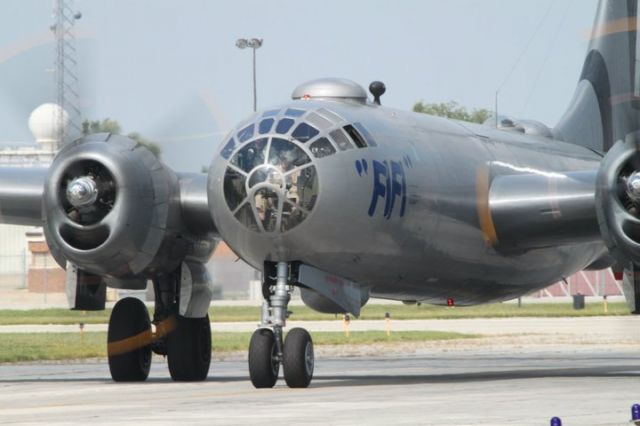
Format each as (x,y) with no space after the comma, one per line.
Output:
(19,347)
(370,312)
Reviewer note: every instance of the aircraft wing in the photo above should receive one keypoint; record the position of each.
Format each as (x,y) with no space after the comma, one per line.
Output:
(532,209)
(21,190)
(535,209)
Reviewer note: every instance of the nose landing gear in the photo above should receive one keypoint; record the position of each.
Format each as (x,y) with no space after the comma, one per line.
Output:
(268,350)
(264,360)
(298,358)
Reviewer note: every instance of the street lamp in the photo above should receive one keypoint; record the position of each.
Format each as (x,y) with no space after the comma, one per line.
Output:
(253,43)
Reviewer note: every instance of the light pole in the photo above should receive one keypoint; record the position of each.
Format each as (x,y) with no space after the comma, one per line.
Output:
(253,43)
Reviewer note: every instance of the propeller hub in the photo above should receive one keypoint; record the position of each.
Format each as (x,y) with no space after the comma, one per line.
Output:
(82,192)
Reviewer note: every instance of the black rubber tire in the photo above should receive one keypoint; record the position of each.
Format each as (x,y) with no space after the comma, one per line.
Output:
(129,341)
(263,368)
(298,358)
(189,349)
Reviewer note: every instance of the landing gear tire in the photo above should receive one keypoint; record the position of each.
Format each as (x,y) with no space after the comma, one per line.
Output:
(263,359)
(298,358)
(129,341)
(189,349)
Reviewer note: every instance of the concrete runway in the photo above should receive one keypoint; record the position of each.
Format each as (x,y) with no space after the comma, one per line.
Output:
(584,386)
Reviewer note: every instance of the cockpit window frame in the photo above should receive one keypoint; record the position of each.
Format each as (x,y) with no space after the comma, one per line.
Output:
(366,134)
(355,136)
(287,120)
(290,211)
(304,126)
(287,212)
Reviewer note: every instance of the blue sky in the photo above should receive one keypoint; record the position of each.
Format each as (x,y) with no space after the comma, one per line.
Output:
(170,70)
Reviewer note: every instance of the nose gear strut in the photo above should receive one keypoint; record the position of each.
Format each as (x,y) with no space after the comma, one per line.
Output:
(269,349)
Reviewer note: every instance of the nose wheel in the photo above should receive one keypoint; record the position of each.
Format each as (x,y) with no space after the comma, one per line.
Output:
(298,358)
(268,350)
(264,363)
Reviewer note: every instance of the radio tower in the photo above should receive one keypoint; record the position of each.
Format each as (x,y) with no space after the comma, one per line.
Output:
(68,125)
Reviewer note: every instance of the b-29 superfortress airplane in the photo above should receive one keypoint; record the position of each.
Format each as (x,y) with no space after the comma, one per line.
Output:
(347,200)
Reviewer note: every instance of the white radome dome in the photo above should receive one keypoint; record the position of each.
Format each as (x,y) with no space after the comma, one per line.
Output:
(44,124)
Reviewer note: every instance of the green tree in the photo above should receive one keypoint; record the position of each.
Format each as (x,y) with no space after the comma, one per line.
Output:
(453,110)
(112,126)
(105,126)
(153,147)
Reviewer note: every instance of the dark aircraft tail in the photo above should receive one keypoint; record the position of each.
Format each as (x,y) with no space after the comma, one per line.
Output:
(606,104)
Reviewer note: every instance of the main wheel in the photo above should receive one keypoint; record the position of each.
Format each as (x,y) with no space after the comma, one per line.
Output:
(129,341)
(189,349)
(263,363)
(298,358)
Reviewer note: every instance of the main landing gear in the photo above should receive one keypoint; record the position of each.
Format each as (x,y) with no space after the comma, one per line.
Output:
(268,349)
(186,342)
(129,341)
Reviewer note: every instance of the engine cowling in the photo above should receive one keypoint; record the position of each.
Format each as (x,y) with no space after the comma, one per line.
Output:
(618,199)
(112,208)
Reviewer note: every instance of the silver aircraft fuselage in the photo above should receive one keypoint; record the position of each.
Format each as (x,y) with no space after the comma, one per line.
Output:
(400,217)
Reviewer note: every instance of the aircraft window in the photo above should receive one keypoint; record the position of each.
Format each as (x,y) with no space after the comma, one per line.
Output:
(292,216)
(322,148)
(266,202)
(292,112)
(228,149)
(266,174)
(271,113)
(329,115)
(318,121)
(357,138)
(341,140)
(265,126)
(284,125)
(367,136)
(304,132)
(302,187)
(258,176)
(286,155)
(245,215)
(251,155)
(246,133)
(234,188)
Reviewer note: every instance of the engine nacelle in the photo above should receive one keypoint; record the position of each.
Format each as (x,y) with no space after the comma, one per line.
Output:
(618,199)
(112,208)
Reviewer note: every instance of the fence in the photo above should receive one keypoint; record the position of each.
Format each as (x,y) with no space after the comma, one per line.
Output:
(589,283)
(14,270)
